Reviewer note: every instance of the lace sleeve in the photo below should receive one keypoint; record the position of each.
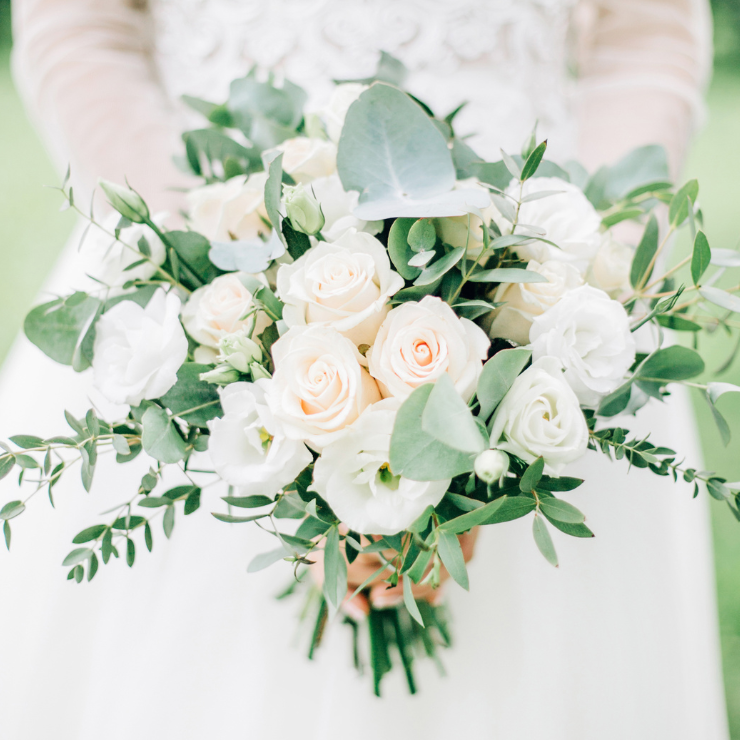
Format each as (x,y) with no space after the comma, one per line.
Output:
(85,72)
(643,69)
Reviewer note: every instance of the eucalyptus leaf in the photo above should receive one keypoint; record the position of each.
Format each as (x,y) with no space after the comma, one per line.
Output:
(508,275)
(498,375)
(556,508)
(452,558)
(438,268)
(671,363)
(335,570)
(646,249)
(399,250)
(409,601)
(160,438)
(544,541)
(266,559)
(700,257)
(721,298)
(190,392)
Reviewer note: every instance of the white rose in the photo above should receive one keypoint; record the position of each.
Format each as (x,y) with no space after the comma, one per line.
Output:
(590,335)
(611,268)
(218,309)
(138,351)
(354,477)
(540,417)
(419,342)
(247,444)
(106,259)
(319,386)
(524,301)
(345,284)
(454,229)
(337,205)
(306,159)
(231,210)
(334,115)
(568,219)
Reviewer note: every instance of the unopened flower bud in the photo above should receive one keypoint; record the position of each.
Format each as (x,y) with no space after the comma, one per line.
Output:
(303,210)
(491,465)
(239,351)
(126,201)
(258,371)
(221,375)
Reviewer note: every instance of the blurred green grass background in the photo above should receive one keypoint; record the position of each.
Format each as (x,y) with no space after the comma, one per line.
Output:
(32,232)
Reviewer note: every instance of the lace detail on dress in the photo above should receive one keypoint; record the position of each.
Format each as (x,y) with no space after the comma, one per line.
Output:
(507,58)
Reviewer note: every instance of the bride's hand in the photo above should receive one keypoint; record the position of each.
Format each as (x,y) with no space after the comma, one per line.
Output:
(380,594)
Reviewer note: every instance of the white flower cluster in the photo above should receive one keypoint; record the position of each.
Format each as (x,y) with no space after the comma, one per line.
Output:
(347,356)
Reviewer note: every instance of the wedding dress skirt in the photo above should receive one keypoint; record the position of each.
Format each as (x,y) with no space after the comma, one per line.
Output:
(620,642)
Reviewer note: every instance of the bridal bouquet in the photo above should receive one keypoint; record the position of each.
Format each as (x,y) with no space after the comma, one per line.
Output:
(368,330)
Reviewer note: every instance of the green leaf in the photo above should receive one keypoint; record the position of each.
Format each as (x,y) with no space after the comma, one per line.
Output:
(148,540)
(229,519)
(6,534)
(700,257)
(92,569)
(11,510)
(128,522)
(648,164)
(452,557)
(616,401)
(91,533)
(532,475)
(717,390)
(6,465)
(544,541)
(418,455)
(248,502)
(474,309)
(646,249)
(422,235)
(192,502)
(106,546)
(439,267)
(672,363)
(214,146)
(160,438)
(168,521)
(678,210)
(391,151)
(721,298)
(266,559)
(481,515)
(563,483)
(120,445)
(27,441)
(511,165)
(273,162)
(447,418)
(533,161)
(507,275)
(269,302)
(335,570)
(410,601)
(574,530)
(556,508)
(722,426)
(130,552)
(513,507)
(399,250)
(193,249)
(77,555)
(498,375)
(58,329)
(190,392)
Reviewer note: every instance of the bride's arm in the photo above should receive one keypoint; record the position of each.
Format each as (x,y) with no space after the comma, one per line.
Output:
(643,68)
(85,70)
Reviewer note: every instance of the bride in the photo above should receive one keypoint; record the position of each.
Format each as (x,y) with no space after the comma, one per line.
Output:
(620,642)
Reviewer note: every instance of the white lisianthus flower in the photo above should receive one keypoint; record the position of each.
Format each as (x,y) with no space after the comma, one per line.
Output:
(524,301)
(611,267)
(454,229)
(354,477)
(335,113)
(106,259)
(320,385)
(491,465)
(419,342)
(345,284)
(247,444)
(590,335)
(303,210)
(239,351)
(338,205)
(219,308)
(306,159)
(138,351)
(568,219)
(231,210)
(540,417)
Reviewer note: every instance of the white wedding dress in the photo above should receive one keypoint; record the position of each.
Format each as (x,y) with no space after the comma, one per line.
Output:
(619,643)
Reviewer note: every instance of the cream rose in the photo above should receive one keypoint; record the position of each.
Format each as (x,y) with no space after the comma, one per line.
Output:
(345,285)
(611,267)
(419,342)
(306,159)
(247,445)
(590,335)
(524,301)
(137,350)
(568,219)
(219,308)
(354,477)
(540,417)
(335,113)
(319,386)
(337,205)
(231,210)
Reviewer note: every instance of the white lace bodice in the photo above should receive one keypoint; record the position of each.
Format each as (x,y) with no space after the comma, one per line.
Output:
(507,58)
